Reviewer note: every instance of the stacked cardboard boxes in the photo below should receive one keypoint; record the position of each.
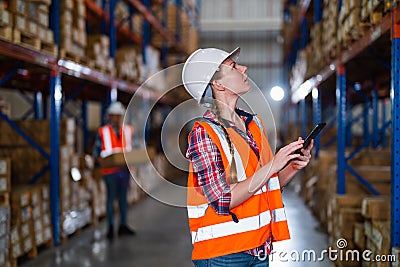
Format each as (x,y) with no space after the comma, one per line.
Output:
(22,220)
(98,49)
(126,62)
(5,220)
(73,30)
(31,25)
(330,29)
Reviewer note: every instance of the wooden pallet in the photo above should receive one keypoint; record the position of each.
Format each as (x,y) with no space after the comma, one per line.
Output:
(68,55)
(26,39)
(48,48)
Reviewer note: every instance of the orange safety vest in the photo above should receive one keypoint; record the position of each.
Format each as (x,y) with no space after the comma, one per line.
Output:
(111,144)
(260,217)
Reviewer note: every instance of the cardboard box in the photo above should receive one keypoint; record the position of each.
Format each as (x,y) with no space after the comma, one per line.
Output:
(134,157)
(376,208)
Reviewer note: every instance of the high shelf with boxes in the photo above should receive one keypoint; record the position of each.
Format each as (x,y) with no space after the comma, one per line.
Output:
(58,76)
(359,42)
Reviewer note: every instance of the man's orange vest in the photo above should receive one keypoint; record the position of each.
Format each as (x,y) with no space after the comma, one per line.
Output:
(260,217)
(110,143)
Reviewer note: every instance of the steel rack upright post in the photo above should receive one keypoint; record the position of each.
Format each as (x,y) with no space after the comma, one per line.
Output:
(395,155)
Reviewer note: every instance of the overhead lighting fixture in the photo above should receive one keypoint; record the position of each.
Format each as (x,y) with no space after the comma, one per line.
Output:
(277,93)
(314,93)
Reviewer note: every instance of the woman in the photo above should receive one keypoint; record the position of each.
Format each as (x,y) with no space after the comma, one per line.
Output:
(234,204)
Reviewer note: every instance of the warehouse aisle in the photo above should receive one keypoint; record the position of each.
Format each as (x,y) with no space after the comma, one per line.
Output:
(162,240)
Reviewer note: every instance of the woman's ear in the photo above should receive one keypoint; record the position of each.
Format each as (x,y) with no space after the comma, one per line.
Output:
(218,86)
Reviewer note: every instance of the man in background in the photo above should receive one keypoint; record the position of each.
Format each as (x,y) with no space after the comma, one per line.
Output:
(114,137)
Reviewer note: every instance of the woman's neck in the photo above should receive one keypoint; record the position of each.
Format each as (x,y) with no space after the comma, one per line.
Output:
(227,110)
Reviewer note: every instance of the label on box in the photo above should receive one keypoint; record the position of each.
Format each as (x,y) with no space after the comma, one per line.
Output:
(36,212)
(47,233)
(32,9)
(39,238)
(43,19)
(3,167)
(25,231)
(45,206)
(35,197)
(32,27)
(4,213)
(5,17)
(3,228)
(46,219)
(2,258)
(21,23)
(4,243)
(50,36)
(38,225)
(3,184)
(27,244)
(14,235)
(16,250)
(20,6)
(24,199)
(45,192)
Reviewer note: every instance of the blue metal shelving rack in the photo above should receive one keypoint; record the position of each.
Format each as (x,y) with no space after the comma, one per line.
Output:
(58,67)
(389,21)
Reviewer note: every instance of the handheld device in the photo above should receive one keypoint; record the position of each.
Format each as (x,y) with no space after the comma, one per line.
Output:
(314,133)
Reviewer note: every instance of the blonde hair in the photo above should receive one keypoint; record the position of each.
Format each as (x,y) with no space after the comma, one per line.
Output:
(233,177)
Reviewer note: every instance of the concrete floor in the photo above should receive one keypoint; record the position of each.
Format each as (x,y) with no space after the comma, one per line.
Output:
(163,240)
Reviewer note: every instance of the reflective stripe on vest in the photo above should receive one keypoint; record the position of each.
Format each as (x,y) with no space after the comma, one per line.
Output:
(111,145)
(213,235)
(231,228)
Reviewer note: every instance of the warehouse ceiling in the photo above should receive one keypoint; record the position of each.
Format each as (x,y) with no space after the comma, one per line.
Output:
(237,16)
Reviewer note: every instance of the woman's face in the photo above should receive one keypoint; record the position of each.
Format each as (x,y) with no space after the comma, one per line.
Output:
(234,77)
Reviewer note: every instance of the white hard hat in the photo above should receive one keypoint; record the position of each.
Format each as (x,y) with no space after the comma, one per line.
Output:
(116,108)
(200,67)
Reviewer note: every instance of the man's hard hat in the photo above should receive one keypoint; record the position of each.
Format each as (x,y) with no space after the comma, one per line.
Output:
(201,66)
(116,108)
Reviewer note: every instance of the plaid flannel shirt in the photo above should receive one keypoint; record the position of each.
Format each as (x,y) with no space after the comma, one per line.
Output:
(206,160)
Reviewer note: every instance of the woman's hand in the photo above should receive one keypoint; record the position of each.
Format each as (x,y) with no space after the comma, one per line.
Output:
(302,161)
(285,154)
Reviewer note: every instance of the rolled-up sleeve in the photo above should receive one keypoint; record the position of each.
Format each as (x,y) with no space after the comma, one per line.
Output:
(207,163)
